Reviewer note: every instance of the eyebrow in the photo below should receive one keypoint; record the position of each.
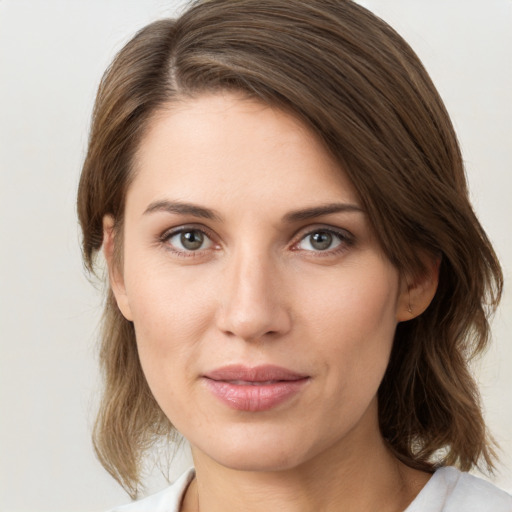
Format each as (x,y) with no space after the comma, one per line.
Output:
(182,209)
(319,211)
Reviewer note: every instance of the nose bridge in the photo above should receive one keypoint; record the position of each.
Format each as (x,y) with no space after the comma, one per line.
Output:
(251,307)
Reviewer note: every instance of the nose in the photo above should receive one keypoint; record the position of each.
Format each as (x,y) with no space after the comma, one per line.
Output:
(251,307)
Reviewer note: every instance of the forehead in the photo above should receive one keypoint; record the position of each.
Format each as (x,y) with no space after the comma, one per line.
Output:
(226,146)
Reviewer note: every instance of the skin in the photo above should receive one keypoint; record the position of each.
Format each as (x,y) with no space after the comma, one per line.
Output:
(259,291)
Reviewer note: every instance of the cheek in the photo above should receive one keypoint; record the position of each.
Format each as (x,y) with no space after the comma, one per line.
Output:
(167,305)
(170,322)
(170,317)
(359,299)
(355,324)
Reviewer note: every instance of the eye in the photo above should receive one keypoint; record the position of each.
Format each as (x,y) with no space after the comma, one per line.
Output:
(188,240)
(322,240)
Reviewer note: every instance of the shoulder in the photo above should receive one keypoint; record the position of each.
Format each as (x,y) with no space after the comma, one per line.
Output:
(168,500)
(450,490)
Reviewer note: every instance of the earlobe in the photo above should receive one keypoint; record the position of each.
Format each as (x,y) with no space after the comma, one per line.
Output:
(417,293)
(115,274)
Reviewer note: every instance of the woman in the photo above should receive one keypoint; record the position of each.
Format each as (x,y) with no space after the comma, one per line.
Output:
(297,278)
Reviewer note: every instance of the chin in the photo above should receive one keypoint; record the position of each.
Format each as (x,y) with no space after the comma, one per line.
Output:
(261,461)
(258,453)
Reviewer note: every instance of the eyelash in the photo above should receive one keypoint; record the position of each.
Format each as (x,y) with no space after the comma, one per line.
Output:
(345,239)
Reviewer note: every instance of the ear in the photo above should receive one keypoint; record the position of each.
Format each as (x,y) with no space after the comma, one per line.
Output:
(115,273)
(417,292)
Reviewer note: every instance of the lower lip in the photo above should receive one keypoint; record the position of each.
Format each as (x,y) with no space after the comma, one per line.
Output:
(255,398)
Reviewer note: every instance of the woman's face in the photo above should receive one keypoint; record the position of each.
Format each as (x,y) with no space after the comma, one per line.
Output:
(263,306)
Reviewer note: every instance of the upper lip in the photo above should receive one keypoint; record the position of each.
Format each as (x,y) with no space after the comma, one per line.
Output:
(263,373)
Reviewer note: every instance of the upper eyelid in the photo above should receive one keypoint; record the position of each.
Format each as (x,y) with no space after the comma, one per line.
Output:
(169,232)
(308,230)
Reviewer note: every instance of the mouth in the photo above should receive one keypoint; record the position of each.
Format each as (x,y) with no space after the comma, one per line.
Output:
(256,375)
(254,389)
(253,383)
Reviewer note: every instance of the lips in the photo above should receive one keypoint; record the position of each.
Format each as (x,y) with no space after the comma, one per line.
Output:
(254,389)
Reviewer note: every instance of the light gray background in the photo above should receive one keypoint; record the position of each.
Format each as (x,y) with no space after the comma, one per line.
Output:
(52,55)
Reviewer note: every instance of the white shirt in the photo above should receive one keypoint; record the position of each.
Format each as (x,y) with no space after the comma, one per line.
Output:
(448,490)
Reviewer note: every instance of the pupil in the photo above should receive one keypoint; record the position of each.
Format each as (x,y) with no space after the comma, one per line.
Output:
(192,240)
(321,240)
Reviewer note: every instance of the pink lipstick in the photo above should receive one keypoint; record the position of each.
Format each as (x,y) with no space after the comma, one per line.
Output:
(254,389)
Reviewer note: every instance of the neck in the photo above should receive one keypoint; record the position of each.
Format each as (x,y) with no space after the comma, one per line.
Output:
(358,474)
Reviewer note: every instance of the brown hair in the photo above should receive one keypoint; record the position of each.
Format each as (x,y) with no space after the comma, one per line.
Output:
(358,85)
